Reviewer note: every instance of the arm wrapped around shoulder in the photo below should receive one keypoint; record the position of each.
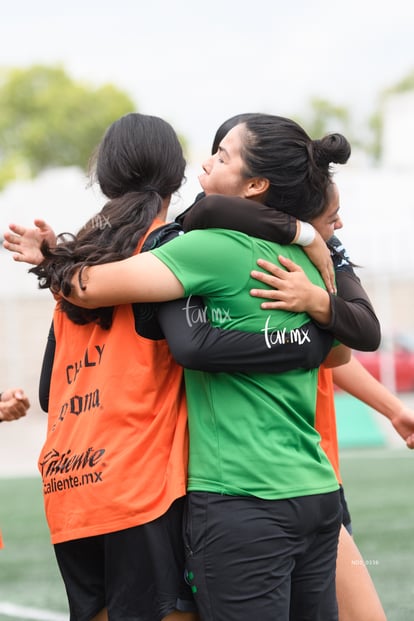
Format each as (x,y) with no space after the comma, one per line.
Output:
(241,214)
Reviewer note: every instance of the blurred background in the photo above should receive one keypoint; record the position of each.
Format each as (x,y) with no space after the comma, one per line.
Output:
(65,76)
(67,72)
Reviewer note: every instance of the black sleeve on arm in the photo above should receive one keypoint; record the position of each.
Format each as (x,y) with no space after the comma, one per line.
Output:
(46,372)
(195,344)
(353,319)
(241,214)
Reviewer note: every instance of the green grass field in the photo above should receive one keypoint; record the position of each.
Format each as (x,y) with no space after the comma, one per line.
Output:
(378,484)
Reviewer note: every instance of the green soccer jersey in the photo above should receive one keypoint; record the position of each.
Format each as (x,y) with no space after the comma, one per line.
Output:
(250,434)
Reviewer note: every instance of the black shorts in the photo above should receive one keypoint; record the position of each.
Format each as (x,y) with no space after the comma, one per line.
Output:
(248,558)
(346,516)
(136,573)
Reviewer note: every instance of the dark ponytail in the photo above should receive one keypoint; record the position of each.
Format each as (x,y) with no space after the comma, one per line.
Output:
(138,163)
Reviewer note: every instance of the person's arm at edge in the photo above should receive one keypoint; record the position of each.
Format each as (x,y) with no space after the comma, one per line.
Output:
(13,404)
(358,382)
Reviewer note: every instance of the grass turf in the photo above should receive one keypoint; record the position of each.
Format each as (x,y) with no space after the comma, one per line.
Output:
(28,571)
(378,488)
(378,485)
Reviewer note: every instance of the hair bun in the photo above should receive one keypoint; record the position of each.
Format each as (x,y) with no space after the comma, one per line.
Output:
(333,148)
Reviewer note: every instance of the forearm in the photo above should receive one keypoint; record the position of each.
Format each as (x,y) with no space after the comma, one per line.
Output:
(141,278)
(195,344)
(353,320)
(244,215)
(358,382)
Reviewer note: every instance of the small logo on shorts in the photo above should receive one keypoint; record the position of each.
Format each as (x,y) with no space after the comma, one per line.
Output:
(189,578)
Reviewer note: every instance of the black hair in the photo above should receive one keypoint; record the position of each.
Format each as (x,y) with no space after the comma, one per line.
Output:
(298,168)
(138,163)
(226,127)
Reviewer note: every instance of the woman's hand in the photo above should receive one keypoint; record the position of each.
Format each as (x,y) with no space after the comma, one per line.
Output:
(291,290)
(318,252)
(25,243)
